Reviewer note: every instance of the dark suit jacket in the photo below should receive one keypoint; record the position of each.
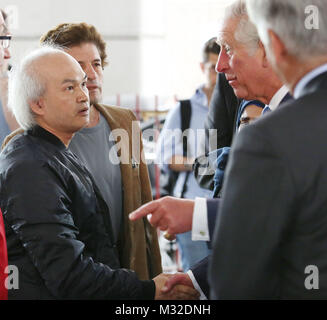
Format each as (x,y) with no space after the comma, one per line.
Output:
(273,219)
(221,116)
(213,205)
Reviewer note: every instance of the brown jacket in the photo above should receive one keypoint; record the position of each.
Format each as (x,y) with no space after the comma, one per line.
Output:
(138,245)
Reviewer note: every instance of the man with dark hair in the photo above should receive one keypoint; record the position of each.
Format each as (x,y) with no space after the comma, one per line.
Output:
(124,183)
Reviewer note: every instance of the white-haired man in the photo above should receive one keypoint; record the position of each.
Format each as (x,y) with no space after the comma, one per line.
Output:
(271,233)
(243,60)
(58,229)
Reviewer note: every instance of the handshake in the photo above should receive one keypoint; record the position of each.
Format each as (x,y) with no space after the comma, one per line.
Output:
(173,216)
(175,287)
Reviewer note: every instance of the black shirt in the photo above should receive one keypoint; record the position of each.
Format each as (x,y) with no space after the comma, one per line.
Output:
(58,228)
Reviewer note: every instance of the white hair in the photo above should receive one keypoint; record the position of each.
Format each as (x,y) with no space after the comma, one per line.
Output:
(288,19)
(246,32)
(26,85)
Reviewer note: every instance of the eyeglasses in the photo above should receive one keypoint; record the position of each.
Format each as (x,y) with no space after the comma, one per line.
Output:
(5,41)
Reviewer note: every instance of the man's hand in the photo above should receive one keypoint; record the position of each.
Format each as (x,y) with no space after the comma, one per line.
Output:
(168,214)
(177,289)
(175,279)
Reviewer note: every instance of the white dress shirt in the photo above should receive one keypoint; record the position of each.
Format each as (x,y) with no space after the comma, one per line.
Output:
(200,229)
(278,97)
(196,286)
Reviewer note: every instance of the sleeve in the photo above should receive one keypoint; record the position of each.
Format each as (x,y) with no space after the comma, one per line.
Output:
(170,139)
(213,207)
(200,229)
(38,211)
(204,219)
(199,277)
(255,212)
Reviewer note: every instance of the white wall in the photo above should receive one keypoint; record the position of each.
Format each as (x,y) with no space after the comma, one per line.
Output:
(154,46)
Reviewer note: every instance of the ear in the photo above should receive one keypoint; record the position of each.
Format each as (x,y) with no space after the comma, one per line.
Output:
(277,47)
(202,66)
(38,106)
(265,62)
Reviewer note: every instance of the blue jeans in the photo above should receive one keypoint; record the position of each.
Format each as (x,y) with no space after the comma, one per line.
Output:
(191,251)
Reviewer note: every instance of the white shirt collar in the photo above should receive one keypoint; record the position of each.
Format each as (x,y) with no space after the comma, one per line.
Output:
(307,78)
(278,97)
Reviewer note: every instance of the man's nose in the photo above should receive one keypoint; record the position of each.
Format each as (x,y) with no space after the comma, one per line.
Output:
(7,54)
(90,72)
(83,95)
(222,62)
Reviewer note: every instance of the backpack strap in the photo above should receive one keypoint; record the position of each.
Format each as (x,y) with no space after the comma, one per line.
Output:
(186,112)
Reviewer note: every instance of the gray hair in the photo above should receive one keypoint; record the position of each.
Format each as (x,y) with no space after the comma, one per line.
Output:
(26,84)
(246,32)
(288,19)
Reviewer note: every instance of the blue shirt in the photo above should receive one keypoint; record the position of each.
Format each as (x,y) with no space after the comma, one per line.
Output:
(170,142)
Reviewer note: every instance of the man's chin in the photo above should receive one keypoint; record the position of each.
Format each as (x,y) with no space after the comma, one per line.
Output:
(82,124)
(241,93)
(95,99)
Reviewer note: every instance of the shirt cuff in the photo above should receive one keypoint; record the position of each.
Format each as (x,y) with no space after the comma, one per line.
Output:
(196,285)
(200,229)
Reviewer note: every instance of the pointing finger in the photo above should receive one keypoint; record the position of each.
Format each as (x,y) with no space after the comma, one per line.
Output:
(144,210)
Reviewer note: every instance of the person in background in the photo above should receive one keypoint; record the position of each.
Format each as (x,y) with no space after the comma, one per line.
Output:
(209,168)
(249,111)
(171,151)
(8,122)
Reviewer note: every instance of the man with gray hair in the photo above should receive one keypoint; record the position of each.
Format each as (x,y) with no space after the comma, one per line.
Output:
(271,234)
(58,229)
(243,60)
